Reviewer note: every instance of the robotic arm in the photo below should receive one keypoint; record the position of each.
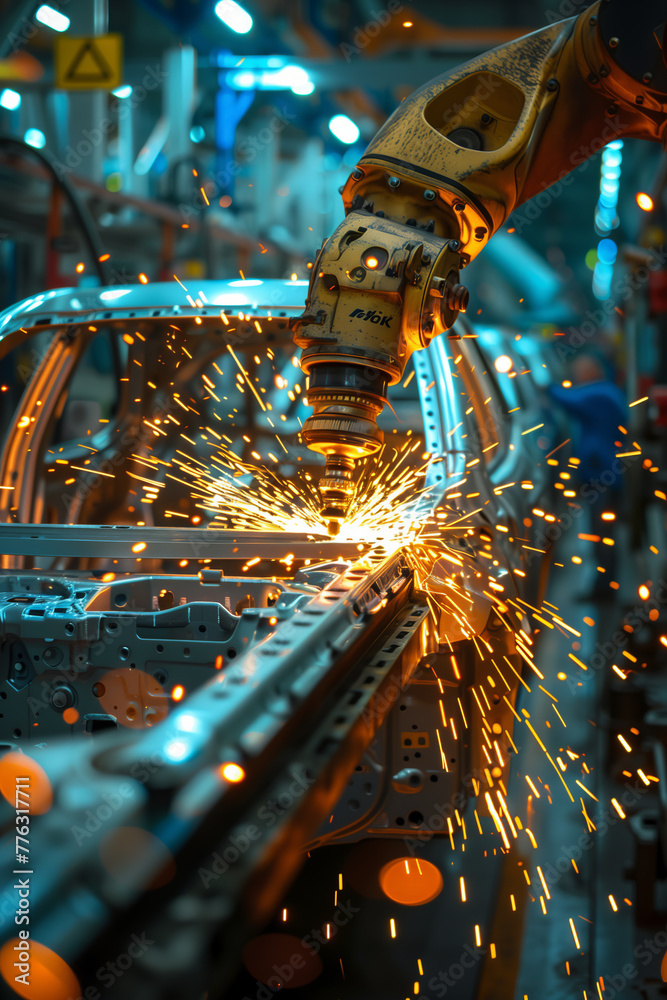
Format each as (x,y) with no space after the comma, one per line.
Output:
(439,178)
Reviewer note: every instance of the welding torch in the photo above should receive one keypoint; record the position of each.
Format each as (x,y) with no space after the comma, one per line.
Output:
(439,178)
(384,295)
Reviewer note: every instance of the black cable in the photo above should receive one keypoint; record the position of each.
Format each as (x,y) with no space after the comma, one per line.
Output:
(77,205)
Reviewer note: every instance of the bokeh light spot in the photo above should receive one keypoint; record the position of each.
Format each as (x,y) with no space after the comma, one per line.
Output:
(38,797)
(232,773)
(49,978)
(411,881)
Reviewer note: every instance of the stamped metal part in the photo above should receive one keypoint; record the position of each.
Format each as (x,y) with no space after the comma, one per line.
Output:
(297,710)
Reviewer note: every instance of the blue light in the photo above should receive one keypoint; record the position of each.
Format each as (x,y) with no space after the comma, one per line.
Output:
(609,187)
(608,200)
(290,77)
(52,18)
(177,750)
(160,164)
(188,723)
(294,78)
(602,276)
(303,87)
(34,137)
(123,91)
(10,99)
(606,217)
(607,251)
(197,133)
(244,80)
(234,16)
(344,129)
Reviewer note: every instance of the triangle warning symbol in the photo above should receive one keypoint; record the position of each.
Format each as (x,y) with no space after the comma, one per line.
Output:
(89,65)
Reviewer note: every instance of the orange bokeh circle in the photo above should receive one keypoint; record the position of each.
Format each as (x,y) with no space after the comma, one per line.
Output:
(411,881)
(37,795)
(49,976)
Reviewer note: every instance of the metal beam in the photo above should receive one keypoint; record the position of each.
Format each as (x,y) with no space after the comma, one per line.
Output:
(103,541)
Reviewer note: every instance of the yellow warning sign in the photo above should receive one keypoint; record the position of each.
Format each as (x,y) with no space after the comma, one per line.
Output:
(94,62)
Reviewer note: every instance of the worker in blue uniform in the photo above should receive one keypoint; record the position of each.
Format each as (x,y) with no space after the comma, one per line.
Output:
(597,406)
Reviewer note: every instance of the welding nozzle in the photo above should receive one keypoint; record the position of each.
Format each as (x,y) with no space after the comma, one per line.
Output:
(336,491)
(346,400)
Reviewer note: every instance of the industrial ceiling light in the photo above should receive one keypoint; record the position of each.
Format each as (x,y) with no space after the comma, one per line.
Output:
(234,16)
(35,137)
(268,76)
(10,99)
(344,129)
(300,83)
(52,18)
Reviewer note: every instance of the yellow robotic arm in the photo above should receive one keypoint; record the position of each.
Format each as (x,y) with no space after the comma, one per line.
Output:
(440,177)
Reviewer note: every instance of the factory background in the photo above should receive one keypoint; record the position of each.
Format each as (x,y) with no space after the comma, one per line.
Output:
(225,143)
(223,148)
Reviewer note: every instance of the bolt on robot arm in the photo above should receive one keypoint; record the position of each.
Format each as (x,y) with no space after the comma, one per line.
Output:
(437,181)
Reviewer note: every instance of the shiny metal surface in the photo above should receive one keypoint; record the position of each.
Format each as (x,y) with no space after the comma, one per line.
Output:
(130,542)
(76,305)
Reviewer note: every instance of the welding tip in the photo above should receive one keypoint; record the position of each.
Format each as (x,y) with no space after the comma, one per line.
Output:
(336,491)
